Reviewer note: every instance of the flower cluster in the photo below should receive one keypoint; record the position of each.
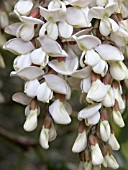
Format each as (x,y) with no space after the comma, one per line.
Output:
(70,45)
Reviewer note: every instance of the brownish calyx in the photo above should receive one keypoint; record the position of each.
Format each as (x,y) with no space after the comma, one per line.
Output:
(116,106)
(107,79)
(33,105)
(59,96)
(82,156)
(104,150)
(109,149)
(119,16)
(51,71)
(60,59)
(48,122)
(35,13)
(116,85)
(95,76)
(81,127)
(104,114)
(87,155)
(93,140)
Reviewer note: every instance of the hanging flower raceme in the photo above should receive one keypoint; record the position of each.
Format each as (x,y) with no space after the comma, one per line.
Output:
(67,45)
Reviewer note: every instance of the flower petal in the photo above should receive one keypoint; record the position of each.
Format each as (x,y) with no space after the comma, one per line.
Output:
(66,67)
(87,42)
(51,47)
(109,52)
(18,46)
(80,142)
(56,83)
(89,111)
(59,113)
(30,73)
(83,73)
(44,93)
(65,30)
(21,98)
(93,120)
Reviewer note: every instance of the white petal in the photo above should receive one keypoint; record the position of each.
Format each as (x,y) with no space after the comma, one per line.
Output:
(105,130)
(111,8)
(119,40)
(87,42)
(39,57)
(80,142)
(21,98)
(66,67)
(104,27)
(51,47)
(44,138)
(22,62)
(92,58)
(97,157)
(44,93)
(56,83)
(24,7)
(83,73)
(31,121)
(111,162)
(101,68)
(117,117)
(31,20)
(59,113)
(118,70)
(30,73)
(27,32)
(72,14)
(96,12)
(113,142)
(98,91)
(19,46)
(79,3)
(52,30)
(85,84)
(109,52)
(65,30)
(11,29)
(31,87)
(89,111)
(109,99)
(93,120)
(52,133)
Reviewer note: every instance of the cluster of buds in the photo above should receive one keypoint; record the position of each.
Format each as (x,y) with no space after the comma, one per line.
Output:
(70,45)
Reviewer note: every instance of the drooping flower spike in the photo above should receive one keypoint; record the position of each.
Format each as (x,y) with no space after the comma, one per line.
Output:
(62,45)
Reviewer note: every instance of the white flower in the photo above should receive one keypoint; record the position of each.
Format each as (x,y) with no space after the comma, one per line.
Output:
(39,57)
(111,162)
(80,142)
(105,130)
(23,7)
(90,114)
(59,112)
(85,85)
(22,62)
(18,46)
(118,70)
(97,157)
(109,99)
(117,117)
(107,25)
(44,138)
(44,93)
(31,121)
(31,88)
(113,142)
(94,92)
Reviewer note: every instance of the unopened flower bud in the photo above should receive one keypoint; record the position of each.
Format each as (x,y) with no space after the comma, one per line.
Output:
(113,142)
